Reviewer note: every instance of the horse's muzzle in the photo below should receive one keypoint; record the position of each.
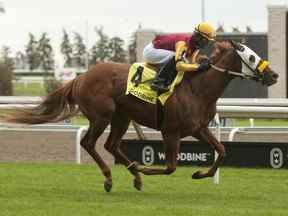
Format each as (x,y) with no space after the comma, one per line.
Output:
(269,78)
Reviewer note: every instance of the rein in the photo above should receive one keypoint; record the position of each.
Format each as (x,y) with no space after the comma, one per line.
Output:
(233,73)
(227,71)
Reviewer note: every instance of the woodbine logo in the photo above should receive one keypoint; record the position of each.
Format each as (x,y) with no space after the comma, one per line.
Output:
(149,156)
(183,156)
(276,158)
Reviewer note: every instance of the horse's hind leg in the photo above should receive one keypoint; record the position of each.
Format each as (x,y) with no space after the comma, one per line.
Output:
(88,142)
(119,126)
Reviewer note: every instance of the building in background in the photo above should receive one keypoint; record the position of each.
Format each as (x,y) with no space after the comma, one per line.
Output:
(277,48)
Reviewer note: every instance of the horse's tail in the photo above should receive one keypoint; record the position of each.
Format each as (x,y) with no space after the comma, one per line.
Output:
(57,106)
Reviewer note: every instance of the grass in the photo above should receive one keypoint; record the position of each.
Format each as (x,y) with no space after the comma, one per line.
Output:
(79,120)
(49,189)
(261,122)
(32,89)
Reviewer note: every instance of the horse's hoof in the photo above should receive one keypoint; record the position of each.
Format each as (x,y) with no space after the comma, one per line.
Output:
(138,184)
(107,185)
(197,175)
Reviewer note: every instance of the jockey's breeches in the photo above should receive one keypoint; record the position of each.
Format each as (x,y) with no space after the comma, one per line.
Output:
(156,56)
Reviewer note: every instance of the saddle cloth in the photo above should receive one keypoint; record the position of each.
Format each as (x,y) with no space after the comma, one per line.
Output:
(138,84)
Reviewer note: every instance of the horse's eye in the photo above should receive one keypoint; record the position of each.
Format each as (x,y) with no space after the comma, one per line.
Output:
(252,58)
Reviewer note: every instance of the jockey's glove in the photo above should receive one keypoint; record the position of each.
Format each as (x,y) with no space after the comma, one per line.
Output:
(183,66)
(205,65)
(180,49)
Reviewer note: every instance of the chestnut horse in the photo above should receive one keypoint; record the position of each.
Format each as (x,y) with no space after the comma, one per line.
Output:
(100,95)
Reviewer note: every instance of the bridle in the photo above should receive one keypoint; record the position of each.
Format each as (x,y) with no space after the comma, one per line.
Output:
(233,73)
(260,67)
(242,75)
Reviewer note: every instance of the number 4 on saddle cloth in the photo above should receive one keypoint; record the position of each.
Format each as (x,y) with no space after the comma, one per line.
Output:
(139,81)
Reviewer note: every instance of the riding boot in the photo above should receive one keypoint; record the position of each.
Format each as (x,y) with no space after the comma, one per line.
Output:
(165,76)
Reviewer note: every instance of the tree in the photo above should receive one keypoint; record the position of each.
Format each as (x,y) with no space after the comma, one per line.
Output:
(249,29)
(118,53)
(79,54)
(45,51)
(32,53)
(101,51)
(220,28)
(66,49)
(93,55)
(47,63)
(20,60)
(6,72)
(132,48)
(235,29)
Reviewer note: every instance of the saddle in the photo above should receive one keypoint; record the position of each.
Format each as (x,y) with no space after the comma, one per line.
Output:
(169,74)
(138,84)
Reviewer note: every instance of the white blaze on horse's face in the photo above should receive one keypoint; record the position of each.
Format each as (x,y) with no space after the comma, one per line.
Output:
(250,60)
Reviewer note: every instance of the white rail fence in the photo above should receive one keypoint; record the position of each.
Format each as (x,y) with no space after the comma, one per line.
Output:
(230,108)
(238,108)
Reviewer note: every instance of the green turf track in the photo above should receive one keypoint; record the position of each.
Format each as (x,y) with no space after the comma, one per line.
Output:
(68,190)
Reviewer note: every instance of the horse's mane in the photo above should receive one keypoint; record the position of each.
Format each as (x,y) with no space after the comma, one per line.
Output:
(225,44)
(219,48)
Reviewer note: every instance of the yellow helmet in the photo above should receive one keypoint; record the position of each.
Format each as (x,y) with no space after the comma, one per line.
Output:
(206,30)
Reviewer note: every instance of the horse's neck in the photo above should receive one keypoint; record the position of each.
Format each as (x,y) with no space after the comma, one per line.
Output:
(210,84)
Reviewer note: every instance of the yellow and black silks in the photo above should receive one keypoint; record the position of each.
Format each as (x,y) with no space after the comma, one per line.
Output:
(143,90)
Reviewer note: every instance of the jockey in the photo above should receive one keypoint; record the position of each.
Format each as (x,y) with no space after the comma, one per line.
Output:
(167,50)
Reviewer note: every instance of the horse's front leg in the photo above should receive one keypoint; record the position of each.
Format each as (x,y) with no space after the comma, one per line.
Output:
(206,136)
(172,144)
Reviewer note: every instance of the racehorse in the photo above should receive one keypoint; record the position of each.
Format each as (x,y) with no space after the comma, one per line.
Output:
(100,95)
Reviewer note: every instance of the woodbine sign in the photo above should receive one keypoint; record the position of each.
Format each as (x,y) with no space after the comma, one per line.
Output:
(241,154)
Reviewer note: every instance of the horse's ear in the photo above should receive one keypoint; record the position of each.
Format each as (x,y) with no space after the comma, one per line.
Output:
(233,43)
(237,45)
